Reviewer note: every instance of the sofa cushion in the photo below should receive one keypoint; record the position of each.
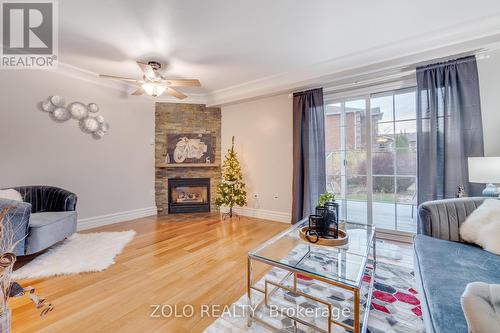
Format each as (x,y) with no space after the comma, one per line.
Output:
(48,228)
(445,268)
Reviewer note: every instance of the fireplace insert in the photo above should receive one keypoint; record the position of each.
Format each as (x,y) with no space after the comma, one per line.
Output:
(188,195)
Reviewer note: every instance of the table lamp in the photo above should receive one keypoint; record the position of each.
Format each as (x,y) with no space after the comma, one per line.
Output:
(485,170)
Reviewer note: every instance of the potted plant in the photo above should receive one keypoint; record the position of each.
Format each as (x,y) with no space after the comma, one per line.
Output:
(326,197)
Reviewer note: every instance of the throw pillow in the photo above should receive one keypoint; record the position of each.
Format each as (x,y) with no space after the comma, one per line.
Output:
(10,194)
(482,226)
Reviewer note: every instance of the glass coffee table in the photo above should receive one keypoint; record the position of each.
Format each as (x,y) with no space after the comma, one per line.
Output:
(312,287)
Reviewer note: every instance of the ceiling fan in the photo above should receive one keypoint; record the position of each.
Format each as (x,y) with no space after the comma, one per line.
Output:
(153,83)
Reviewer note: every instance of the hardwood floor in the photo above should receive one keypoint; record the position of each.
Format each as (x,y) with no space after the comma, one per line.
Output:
(176,260)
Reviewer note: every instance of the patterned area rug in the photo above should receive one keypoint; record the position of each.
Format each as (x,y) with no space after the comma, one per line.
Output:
(395,305)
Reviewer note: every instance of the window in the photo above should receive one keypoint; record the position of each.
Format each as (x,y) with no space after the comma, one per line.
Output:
(372,166)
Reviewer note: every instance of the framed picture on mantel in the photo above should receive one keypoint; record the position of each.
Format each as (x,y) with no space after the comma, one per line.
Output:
(190,148)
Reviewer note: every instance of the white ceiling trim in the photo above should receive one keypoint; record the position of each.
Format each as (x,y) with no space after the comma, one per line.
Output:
(387,60)
(457,40)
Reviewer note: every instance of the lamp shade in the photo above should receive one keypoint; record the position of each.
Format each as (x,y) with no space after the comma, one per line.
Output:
(484,169)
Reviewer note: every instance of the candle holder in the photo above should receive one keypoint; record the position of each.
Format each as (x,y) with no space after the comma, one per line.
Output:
(332,217)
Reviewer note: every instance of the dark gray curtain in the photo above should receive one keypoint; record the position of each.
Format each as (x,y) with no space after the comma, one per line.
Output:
(309,170)
(449,127)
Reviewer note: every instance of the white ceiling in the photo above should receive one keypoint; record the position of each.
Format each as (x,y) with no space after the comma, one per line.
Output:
(235,44)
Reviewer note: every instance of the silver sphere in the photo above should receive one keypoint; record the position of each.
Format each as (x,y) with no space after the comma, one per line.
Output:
(57,100)
(104,127)
(89,125)
(99,118)
(47,106)
(61,114)
(78,110)
(98,134)
(93,107)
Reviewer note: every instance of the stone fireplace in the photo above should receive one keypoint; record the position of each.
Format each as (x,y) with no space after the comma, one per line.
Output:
(188,195)
(181,118)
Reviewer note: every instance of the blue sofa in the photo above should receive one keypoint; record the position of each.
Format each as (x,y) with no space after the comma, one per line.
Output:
(445,264)
(46,216)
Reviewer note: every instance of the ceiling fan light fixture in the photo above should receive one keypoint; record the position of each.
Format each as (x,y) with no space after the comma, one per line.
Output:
(153,89)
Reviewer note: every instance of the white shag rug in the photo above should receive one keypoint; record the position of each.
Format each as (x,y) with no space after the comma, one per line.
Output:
(79,253)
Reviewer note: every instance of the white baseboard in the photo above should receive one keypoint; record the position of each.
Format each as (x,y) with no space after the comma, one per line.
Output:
(98,221)
(262,214)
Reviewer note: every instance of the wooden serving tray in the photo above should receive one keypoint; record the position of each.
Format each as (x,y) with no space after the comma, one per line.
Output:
(342,240)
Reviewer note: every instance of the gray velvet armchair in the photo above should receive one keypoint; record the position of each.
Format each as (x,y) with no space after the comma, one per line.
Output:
(46,216)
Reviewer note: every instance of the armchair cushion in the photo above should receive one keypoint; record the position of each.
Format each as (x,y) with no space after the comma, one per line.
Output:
(48,228)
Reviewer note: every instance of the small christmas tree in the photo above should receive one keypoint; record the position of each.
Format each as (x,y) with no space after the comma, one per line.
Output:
(231,190)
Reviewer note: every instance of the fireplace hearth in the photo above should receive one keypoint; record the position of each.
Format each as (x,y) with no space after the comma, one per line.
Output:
(188,195)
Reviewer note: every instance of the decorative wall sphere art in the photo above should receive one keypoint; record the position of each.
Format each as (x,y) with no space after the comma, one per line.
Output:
(57,100)
(93,107)
(98,134)
(104,126)
(61,114)
(47,106)
(88,120)
(78,110)
(89,125)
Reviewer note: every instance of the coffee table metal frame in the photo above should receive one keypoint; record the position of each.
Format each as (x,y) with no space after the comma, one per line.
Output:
(358,327)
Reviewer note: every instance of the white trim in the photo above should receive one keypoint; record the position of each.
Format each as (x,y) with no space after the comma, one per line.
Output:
(98,221)
(395,60)
(261,214)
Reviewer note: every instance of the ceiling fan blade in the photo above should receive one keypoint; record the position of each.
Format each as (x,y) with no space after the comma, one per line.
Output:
(118,78)
(183,83)
(147,70)
(175,93)
(138,92)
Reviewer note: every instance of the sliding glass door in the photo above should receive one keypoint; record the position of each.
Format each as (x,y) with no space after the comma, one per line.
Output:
(346,158)
(371,158)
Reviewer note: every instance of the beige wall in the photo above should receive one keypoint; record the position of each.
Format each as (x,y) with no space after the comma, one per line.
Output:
(111,175)
(489,81)
(263,134)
